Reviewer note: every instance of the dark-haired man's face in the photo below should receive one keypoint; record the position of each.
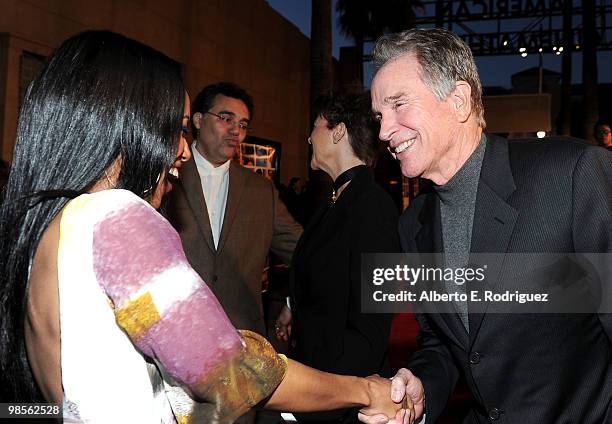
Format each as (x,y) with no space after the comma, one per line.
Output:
(221,129)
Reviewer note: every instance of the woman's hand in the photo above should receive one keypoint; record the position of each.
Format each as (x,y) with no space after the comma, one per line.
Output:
(282,327)
(382,405)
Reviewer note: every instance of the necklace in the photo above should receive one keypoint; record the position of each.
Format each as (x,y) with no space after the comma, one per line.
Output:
(344,178)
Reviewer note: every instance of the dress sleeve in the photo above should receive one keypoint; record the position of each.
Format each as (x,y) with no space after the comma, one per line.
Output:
(171,315)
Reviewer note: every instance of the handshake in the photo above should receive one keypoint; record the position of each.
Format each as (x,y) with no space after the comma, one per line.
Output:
(400,400)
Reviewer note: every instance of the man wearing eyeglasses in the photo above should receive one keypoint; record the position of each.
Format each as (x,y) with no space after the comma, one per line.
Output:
(229,218)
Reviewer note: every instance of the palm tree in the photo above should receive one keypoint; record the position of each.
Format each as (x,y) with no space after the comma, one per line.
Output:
(365,20)
(321,80)
(589,69)
(565,115)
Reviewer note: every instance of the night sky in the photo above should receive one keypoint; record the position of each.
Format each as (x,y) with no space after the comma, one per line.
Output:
(494,70)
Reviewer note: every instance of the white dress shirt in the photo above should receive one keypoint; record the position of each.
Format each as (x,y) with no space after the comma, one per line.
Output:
(215,185)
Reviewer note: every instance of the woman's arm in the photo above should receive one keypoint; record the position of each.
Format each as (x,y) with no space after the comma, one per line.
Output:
(172,316)
(306,389)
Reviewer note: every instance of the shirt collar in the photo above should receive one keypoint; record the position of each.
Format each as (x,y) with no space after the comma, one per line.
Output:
(205,167)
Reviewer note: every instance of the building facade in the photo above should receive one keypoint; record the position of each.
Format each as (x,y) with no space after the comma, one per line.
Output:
(243,41)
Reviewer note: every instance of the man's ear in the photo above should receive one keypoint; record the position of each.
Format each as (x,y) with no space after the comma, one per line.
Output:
(338,132)
(197,120)
(461,98)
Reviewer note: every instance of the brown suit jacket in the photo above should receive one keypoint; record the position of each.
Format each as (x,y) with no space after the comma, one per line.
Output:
(255,222)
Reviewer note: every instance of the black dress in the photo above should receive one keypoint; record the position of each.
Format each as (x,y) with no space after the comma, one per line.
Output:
(329,331)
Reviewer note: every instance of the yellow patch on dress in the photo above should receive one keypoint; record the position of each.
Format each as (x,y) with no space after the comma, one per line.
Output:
(183,419)
(138,315)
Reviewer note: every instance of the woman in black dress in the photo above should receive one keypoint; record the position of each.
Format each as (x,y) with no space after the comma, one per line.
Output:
(328,330)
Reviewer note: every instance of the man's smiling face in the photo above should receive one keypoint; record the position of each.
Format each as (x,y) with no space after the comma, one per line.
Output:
(420,129)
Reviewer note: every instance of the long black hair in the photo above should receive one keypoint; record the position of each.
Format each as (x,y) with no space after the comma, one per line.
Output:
(100,98)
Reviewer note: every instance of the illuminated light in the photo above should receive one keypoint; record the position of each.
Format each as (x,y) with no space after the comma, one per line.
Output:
(561,48)
(505,42)
(554,48)
(558,53)
(540,50)
(524,54)
(541,134)
(522,49)
(577,46)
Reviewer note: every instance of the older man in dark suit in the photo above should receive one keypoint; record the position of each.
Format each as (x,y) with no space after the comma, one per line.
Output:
(498,197)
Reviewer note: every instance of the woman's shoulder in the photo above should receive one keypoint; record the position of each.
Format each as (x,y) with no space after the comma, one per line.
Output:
(110,198)
(102,203)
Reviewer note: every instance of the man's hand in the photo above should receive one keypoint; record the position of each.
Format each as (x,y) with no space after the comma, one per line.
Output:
(282,327)
(382,407)
(404,384)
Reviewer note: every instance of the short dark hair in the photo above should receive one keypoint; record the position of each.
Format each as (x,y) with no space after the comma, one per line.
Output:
(354,110)
(205,98)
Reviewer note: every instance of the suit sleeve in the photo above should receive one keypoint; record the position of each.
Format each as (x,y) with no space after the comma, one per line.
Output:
(432,362)
(592,210)
(286,230)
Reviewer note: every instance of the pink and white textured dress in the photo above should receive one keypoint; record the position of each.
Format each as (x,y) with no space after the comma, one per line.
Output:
(138,324)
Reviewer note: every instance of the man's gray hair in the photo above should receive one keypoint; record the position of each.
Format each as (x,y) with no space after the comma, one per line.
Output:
(444,59)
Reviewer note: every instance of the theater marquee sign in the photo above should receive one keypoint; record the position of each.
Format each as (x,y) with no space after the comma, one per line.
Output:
(502,27)
(487,9)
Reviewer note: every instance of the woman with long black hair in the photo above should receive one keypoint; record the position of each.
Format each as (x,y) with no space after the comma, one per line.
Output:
(99,310)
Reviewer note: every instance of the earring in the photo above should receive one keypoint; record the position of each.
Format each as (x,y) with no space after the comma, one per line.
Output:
(147,191)
(309,141)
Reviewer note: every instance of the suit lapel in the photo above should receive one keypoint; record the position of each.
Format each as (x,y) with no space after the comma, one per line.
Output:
(429,234)
(428,239)
(192,184)
(237,181)
(494,218)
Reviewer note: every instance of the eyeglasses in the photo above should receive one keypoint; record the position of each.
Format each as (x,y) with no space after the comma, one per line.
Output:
(230,120)
(603,132)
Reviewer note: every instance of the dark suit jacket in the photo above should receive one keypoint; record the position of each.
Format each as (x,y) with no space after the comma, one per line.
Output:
(329,331)
(533,197)
(255,222)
